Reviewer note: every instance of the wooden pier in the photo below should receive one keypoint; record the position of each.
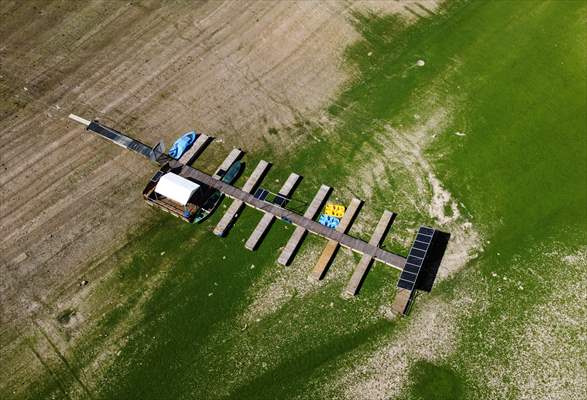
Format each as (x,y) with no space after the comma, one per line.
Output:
(410,267)
(267,219)
(296,238)
(332,246)
(366,261)
(197,148)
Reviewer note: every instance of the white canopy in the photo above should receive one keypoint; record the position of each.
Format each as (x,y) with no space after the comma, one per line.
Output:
(176,188)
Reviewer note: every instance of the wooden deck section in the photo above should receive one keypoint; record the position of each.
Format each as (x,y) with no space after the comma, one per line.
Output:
(402,301)
(332,246)
(296,238)
(235,208)
(234,155)
(267,219)
(198,148)
(366,261)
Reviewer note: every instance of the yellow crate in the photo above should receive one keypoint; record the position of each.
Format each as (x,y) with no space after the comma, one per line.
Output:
(334,210)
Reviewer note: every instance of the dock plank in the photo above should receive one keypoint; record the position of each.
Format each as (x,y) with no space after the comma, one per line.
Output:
(296,238)
(198,148)
(332,246)
(364,265)
(235,208)
(267,219)
(287,188)
(256,177)
(233,156)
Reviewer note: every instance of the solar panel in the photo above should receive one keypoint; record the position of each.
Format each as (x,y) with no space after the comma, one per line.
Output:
(405,285)
(416,257)
(426,231)
(423,238)
(412,268)
(418,253)
(420,245)
(120,139)
(261,194)
(280,201)
(408,276)
(414,260)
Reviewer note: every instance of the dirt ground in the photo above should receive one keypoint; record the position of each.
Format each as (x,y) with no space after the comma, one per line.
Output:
(153,70)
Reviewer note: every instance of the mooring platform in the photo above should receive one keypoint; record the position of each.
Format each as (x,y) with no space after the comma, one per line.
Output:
(363,266)
(344,240)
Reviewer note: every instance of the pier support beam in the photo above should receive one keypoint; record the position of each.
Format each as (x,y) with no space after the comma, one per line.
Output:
(285,191)
(332,246)
(364,265)
(296,238)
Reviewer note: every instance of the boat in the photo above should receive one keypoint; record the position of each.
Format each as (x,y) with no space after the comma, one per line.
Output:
(214,199)
(184,197)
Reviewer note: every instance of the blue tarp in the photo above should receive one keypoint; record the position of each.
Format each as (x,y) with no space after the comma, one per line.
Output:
(182,145)
(329,221)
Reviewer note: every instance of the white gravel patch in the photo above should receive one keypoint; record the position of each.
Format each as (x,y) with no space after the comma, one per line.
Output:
(430,335)
(548,360)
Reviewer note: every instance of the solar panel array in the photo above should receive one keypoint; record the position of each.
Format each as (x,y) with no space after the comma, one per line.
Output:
(418,252)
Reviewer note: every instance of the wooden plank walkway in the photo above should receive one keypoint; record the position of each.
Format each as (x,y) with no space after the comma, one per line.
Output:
(345,240)
(198,148)
(332,246)
(235,208)
(296,238)
(366,261)
(267,219)
(310,225)
(234,155)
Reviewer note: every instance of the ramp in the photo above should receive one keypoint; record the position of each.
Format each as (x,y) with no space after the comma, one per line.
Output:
(332,246)
(366,261)
(296,238)
(116,137)
(235,208)
(285,192)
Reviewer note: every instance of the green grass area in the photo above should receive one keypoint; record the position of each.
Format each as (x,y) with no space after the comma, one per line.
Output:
(511,75)
(435,382)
